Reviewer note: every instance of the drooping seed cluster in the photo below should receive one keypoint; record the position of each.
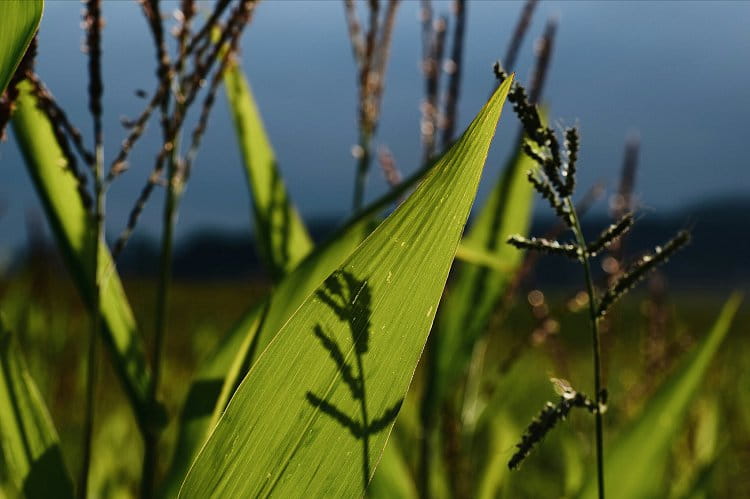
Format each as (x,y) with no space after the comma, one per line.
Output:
(546,421)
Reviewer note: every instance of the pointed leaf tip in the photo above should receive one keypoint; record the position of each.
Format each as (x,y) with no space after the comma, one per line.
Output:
(314,413)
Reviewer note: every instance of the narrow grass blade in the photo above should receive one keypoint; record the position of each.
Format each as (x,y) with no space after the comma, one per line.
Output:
(641,453)
(480,257)
(314,413)
(28,440)
(279,230)
(19,20)
(209,393)
(477,290)
(71,226)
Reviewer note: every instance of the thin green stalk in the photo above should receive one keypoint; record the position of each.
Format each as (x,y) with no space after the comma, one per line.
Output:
(91,358)
(148,476)
(363,167)
(581,240)
(428,413)
(93,25)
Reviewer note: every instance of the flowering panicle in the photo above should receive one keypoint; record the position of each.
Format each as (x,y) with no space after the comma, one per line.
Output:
(611,234)
(546,246)
(642,267)
(554,178)
(547,419)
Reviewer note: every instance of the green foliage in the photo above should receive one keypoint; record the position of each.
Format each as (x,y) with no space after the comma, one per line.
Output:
(19,20)
(314,413)
(209,394)
(29,444)
(71,225)
(393,478)
(279,230)
(641,452)
(466,310)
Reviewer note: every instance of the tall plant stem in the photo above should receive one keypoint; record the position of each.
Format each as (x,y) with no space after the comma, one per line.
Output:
(428,414)
(151,437)
(363,166)
(93,25)
(91,358)
(581,240)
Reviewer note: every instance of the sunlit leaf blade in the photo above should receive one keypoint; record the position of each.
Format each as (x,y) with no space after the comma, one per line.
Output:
(313,414)
(19,20)
(214,384)
(71,226)
(477,289)
(279,230)
(325,258)
(286,298)
(28,440)
(641,452)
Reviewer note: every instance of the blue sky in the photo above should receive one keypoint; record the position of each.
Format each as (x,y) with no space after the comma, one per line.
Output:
(677,73)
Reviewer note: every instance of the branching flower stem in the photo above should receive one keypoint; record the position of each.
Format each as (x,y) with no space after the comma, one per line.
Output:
(581,240)
(171,203)
(93,25)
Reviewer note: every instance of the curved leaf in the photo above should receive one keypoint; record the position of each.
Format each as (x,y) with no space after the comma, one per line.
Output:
(210,392)
(314,413)
(28,440)
(279,230)
(19,20)
(284,301)
(71,226)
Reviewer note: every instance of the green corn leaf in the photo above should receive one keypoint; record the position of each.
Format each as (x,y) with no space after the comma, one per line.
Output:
(313,414)
(324,259)
(71,226)
(476,290)
(637,460)
(286,298)
(279,230)
(28,440)
(210,392)
(19,20)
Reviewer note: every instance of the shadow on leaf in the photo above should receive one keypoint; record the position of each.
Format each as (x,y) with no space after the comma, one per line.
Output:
(349,298)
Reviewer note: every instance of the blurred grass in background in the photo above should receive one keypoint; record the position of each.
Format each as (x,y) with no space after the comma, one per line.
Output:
(710,456)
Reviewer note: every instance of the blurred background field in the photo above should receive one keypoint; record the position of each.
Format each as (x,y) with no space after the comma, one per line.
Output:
(535,336)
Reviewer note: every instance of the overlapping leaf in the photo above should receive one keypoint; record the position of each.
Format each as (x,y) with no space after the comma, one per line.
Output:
(210,392)
(71,226)
(313,414)
(28,440)
(279,230)
(283,302)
